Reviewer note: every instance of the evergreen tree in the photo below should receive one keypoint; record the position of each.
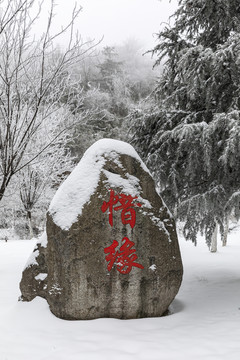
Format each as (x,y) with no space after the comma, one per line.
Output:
(108,68)
(191,136)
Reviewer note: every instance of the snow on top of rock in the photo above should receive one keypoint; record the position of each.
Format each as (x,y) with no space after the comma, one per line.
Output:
(43,239)
(77,189)
(128,186)
(41,276)
(32,260)
(153,267)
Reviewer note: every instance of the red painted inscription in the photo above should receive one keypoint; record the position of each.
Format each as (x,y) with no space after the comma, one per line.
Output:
(128,214)
(124,258)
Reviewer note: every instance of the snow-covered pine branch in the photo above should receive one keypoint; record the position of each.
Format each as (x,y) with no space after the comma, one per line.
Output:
(190,136)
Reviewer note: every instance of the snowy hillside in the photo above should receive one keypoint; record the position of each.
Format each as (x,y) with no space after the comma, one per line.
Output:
(204,324)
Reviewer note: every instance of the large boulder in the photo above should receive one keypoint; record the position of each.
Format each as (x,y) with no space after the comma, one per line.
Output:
(112,248)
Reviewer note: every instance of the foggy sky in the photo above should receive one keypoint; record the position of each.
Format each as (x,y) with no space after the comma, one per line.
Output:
(118,20)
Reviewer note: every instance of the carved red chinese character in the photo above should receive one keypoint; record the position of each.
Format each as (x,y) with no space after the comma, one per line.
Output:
(128,214)
(124,258)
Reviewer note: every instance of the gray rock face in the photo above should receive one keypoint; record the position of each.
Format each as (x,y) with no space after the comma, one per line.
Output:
(112,248)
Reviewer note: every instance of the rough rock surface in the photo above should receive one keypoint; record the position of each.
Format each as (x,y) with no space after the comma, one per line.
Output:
(106,254)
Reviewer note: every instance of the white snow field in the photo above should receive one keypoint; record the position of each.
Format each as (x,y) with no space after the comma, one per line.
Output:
(204,324)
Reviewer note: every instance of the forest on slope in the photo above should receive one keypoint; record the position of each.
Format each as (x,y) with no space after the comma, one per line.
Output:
(182,116)
(55,101)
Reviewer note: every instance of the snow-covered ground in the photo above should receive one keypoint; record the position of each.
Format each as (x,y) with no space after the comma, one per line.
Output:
(204,324)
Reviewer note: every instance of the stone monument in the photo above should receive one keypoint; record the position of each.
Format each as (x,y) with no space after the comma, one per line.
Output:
(110,247)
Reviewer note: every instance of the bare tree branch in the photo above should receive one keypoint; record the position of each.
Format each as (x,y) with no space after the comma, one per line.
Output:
(34,76)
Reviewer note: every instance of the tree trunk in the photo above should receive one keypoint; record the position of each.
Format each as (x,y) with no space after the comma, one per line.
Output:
(29,216)
(214,239)
(225,234)
(3,187)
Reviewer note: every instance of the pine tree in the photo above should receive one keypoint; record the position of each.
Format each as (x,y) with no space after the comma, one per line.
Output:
(108,68)
(191,136)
